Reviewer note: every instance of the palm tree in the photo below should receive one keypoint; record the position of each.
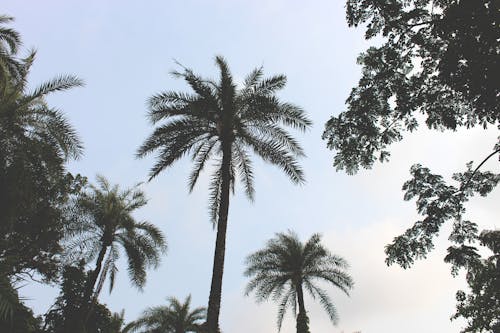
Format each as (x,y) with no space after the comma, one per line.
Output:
(285,266)
(102,221)
(35,142)
(224,122)
(26,118)
(177,317)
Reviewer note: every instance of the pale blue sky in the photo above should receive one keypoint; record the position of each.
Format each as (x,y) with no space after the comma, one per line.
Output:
(124,51)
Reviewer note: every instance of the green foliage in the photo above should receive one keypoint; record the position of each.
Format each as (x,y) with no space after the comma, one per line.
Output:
(440,59)
(286,265)
(35,142)
(177,317)
(101,223)
(481,307)
(10,41)
(438,202)
(66,315)
(15,317)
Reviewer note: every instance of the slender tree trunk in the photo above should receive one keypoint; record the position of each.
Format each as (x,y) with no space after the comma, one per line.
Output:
(220,243)
(87,298)
(302,319)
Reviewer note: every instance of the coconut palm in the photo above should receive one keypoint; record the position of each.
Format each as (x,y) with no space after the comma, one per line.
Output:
(102,222)
(286,266)
(226,123)
(177,317)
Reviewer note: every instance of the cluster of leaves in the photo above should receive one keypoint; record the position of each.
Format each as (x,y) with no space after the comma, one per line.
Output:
(439,203)
(66,315)
(440,58)
(481,306)
(35,143)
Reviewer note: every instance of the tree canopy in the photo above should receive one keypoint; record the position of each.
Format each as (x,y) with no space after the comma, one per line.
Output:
(440,61)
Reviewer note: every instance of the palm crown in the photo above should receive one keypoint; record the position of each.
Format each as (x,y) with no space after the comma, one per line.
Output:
(102,223)
(286,265)
(247,119)
(177,317)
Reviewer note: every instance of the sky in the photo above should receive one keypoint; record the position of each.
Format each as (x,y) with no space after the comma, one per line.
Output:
(124,51)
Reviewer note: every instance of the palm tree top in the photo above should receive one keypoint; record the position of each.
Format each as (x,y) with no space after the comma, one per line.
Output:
(176,317)
(218,115)
(285,264)
(102,221)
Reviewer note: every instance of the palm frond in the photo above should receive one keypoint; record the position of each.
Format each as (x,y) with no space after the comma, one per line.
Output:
(286,301)
(273,153)
(200,157)
(60,83)
(252,79)
(214,196)
(8,299)
(245,169)
(325,301)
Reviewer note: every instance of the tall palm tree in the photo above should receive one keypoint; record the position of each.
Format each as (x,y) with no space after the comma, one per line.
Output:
(177,317)
(102,222)
(224,122)
(286,266)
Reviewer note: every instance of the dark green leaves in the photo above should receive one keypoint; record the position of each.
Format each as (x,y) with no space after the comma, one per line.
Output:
(438,203)
(481,307)
(440,60)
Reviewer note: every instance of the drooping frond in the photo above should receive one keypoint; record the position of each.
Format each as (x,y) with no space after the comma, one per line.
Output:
(214,196)
(244,165)
(325,301)
(200,156)
(273,152)
(287,301)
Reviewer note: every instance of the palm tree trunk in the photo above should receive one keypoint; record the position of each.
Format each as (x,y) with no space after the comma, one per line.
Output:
(87,299)
(220,243)
(302,319)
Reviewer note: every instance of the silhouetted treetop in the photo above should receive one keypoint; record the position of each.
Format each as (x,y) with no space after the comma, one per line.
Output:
(440,59)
